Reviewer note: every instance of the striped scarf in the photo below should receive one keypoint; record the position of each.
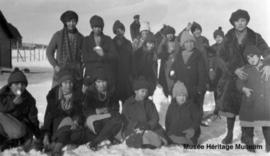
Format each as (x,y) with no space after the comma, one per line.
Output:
(69,47)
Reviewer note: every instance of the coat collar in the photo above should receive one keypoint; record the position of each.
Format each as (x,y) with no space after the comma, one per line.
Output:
(231,36)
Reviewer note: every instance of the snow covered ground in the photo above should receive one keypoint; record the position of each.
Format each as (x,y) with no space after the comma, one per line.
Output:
(40,83)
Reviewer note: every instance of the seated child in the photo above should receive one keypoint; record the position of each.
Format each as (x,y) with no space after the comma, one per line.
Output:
(255,106)
(183,118)
(142,128)
(101,110)
(18,113)
(63,115)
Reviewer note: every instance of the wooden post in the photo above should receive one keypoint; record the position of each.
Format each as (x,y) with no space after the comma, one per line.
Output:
(24,55)
(34,50)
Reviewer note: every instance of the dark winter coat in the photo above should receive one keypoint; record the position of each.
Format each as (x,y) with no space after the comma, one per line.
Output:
(180,118)
(167,59)
(201,44)
(141,114)
(124,67)
(55,46)
(134,30)
(193,74)
(92,102)
(54,113)
(145,64)
(232,53)
(254,111)
(26,112)
(92,60)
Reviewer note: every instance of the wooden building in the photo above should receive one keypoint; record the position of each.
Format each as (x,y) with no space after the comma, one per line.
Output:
(9,37)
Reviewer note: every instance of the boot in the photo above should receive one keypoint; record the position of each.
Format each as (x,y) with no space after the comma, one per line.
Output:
(266,134)
(229,137)
(247,138)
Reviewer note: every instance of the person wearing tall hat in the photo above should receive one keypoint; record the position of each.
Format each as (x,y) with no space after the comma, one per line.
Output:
(67,44)
(235,41)
(98,51)
(124,64)
(167,50)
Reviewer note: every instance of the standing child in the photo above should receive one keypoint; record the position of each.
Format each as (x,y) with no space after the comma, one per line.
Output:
(255,106)
(141,119)
(183,118)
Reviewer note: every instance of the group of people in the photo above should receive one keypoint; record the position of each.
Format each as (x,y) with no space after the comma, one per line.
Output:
(93,75)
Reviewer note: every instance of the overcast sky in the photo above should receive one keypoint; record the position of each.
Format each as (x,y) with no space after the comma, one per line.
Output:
(37,20)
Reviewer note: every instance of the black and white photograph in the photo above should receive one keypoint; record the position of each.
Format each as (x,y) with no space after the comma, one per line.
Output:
(134,77)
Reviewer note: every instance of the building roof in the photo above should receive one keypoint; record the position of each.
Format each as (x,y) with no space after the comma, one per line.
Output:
(11,31)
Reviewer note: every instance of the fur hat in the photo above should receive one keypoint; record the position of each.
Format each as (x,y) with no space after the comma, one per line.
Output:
(136,16)
(68,15)
(179,88)
(195,26)
(186,36)
(96,21)
(140,83)
(145,25)
(251,49)
(17,76)
(118,25)
(239,14)
(218,32)
(168,30)
(64,74)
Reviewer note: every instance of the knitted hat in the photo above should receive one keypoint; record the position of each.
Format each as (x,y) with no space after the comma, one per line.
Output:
(168,30)
(140,83)
(179,88)
(64,74)
(68,15)
(186,36)
(218,32)
(96,21)
(145,25)
(195,26)
(101,74)
(239,14)
(118,25)
(251,49)
(136,16)
(17,76)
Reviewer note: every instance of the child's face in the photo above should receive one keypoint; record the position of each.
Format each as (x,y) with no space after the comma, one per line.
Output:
(71,24)
(141,94)
(101,85)
(253,59)
(17,88)
(219,39)
(240,24)
(197,32)
(170,37)
(189,45)
(150,46)
(180,99)
(67,86)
